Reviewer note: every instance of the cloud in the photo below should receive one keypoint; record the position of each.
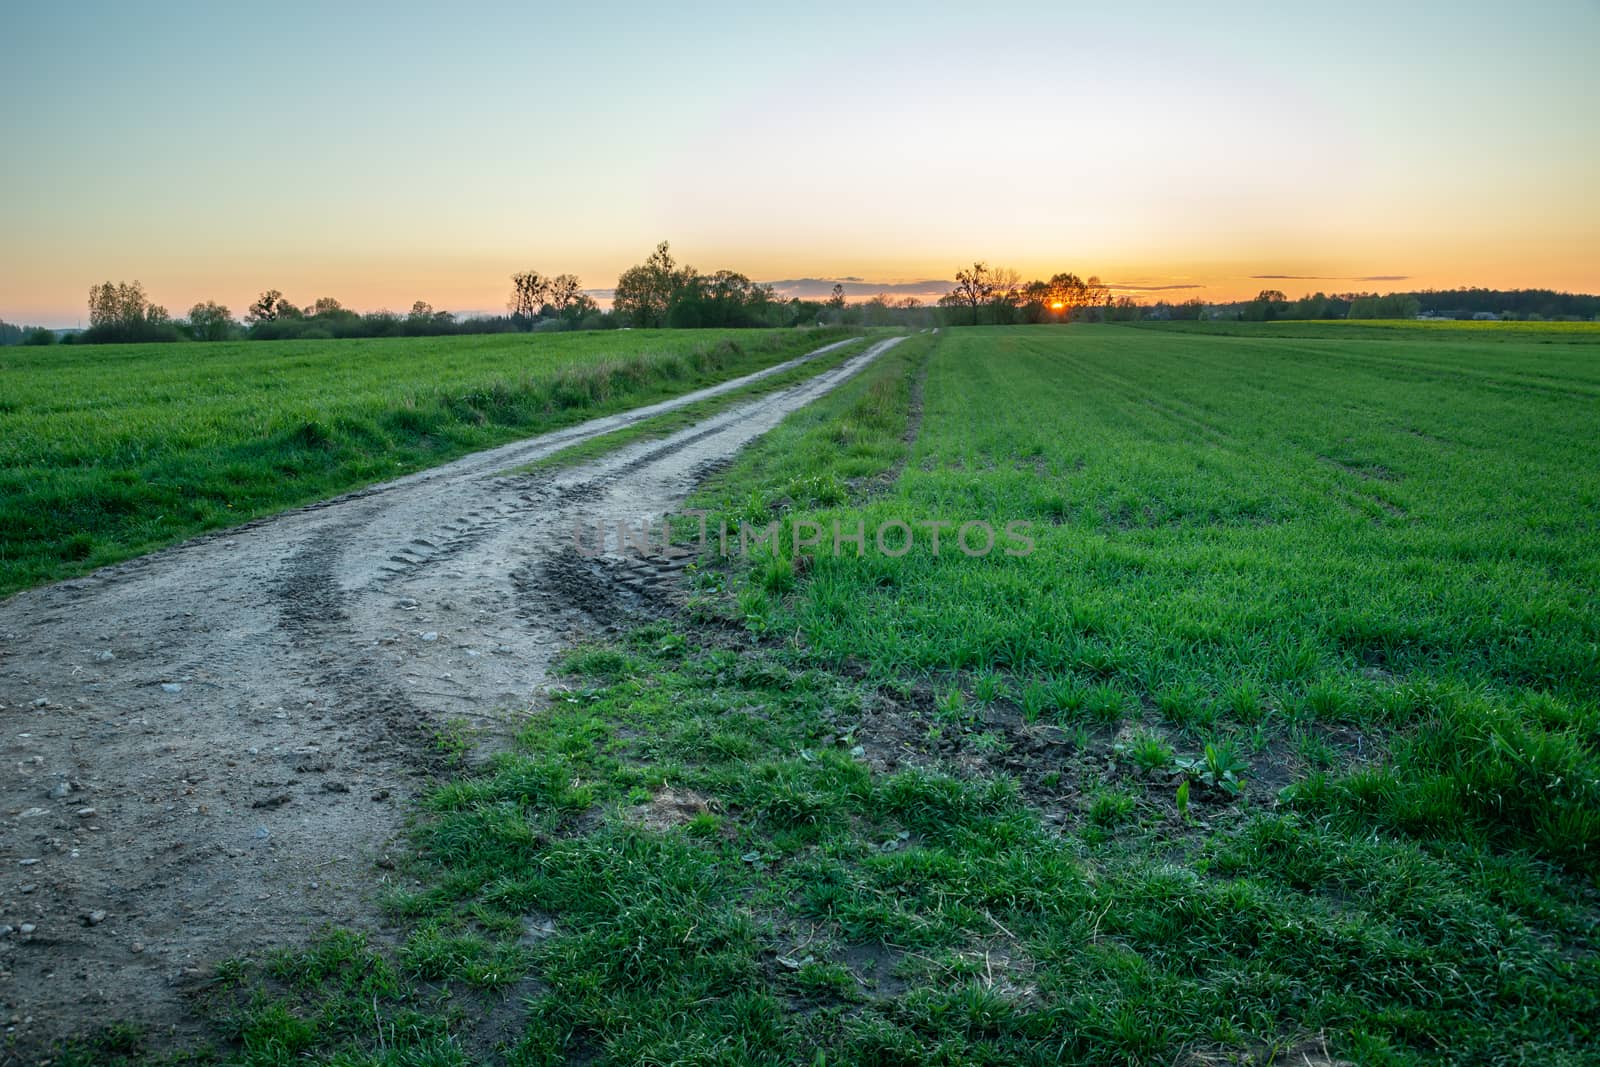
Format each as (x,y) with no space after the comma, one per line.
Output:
(809,288)
(1332,277)
(1148,288)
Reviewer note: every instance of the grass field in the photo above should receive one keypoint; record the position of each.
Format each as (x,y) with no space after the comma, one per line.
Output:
(1283,746)
(108,451)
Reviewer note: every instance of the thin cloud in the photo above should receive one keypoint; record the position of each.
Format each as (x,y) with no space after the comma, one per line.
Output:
(1149,288)
(814,287)
(1332,277)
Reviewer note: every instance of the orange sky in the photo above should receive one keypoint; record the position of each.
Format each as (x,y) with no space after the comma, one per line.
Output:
(1430,145)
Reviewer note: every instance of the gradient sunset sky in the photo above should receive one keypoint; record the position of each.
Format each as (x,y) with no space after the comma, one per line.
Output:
(387,153)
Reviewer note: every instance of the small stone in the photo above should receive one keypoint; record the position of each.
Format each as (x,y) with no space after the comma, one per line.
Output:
(86,813)
(107,656)
(94,918)
(26,928)
(5,931)
(34,813)
(335,787)
(171,687)
(431,635)
(27,862)
(60,789)
(30,887)
(41,702)
(136,947)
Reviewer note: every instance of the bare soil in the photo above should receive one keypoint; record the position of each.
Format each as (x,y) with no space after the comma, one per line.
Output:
(212,750)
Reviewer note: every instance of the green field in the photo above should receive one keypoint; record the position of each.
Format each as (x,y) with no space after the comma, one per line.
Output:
(111,450)
(1285,739)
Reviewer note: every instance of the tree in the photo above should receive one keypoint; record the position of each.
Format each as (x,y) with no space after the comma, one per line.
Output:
(121,312)
(326,306)
(421,311)
(265,309)
(581,307)
(836,300)
(646,292)
(1005,293)
(122,305)
(1269,304)
(1065,293)
(1096,295)
(973,289)
(563,290)
(210,321)
(529,289)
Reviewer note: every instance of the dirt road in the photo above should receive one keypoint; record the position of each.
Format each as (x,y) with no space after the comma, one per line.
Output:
(211,749)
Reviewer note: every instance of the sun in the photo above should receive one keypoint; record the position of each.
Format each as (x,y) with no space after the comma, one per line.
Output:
(1057,306)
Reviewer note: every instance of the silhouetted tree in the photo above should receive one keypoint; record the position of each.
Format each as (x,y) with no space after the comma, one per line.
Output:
(266,308)
(121,312)
(529,289)
(973,289)
(645,292)
(211,321)
(564,289)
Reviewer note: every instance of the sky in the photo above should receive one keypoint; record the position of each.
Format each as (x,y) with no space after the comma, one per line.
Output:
(387,153)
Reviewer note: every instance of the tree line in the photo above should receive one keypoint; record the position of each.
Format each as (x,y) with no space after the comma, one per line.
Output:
(12,334)
(657,293)
(661,292)
(985,295)
(1511,304)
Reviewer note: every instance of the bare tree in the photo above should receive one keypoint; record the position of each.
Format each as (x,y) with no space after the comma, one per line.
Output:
(563,290)
(529,289)
(974,288)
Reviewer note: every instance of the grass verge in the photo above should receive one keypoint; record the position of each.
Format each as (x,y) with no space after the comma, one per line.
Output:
(664,425)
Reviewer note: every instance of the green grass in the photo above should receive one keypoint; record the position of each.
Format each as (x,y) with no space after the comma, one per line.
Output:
(664,425)
(1284,737)
(109,451)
